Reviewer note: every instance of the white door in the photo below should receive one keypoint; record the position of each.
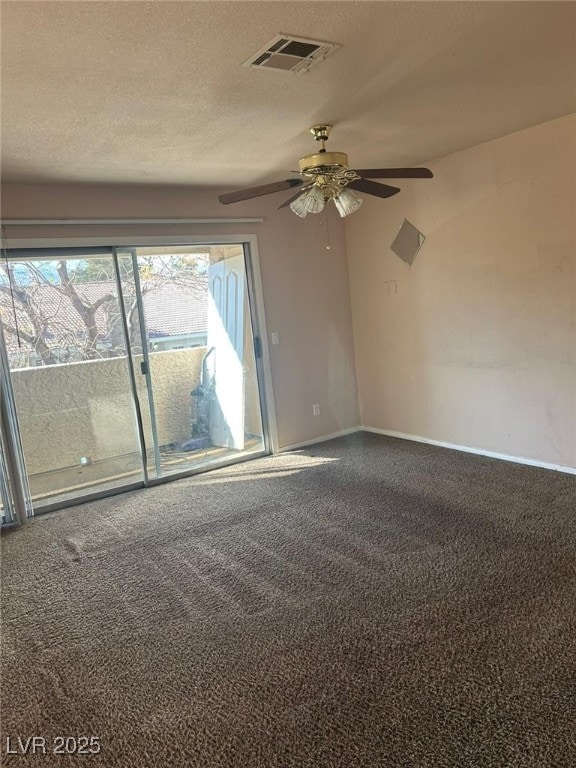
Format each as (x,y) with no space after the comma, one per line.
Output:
(226,336)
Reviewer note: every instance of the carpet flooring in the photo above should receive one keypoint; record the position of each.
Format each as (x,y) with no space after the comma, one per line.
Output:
(363,602)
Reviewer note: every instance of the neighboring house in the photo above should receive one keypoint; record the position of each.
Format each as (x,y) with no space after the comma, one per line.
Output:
(175,318)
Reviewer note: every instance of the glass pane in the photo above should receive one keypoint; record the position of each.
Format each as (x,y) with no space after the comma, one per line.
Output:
(69,370)
(203,404)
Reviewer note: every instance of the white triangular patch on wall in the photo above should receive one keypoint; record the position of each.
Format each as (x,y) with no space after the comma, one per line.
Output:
(408,242)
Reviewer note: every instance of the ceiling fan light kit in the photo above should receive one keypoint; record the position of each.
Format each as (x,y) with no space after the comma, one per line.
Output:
(310,201)
(346,203)
(327,176)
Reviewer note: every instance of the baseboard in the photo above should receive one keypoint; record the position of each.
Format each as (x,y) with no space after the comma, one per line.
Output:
(478,451)
(322,439)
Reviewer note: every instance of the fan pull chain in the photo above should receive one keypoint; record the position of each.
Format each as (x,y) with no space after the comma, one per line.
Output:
(328,246)
(10,283)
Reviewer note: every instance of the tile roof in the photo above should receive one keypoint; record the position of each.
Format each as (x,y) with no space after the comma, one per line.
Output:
(170,309)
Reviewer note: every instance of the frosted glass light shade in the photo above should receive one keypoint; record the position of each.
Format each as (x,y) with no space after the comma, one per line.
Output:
(347,203)
(311,201)
(299,207)
(314,200)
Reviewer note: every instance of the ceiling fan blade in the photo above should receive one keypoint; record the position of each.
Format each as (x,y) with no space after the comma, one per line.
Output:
(373,188)
(293,197)
(395,173)
(265,189)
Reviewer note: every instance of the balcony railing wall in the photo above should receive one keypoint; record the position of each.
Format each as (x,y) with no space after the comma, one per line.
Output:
(85,410)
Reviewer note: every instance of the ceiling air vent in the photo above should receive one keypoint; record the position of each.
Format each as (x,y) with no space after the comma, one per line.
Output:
(291,54)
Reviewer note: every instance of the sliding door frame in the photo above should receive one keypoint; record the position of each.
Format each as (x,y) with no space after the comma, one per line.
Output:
(15,452)
(45,247)
(250,243)
(261,351)
(146,358)
(15,489)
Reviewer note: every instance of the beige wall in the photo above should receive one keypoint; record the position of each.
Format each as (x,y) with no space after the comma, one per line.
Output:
(476,348)
(478,345)
(305,286)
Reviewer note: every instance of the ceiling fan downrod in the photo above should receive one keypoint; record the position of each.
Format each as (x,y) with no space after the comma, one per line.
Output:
(321,133)
(323,163)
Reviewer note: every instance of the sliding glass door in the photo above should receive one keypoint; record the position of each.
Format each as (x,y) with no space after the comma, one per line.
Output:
(193,349)
(68,359)
(130,365)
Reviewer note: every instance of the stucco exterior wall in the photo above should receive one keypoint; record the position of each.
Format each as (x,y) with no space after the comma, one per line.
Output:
(86,409)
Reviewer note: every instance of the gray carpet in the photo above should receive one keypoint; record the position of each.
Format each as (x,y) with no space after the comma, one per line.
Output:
(364,602)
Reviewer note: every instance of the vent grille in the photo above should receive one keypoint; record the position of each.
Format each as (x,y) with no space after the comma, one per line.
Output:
(287,53)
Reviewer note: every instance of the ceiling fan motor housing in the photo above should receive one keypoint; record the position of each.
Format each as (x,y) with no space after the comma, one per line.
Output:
(322,163)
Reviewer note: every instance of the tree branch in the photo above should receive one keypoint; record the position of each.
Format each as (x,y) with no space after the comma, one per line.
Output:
(103,300)
(27,337)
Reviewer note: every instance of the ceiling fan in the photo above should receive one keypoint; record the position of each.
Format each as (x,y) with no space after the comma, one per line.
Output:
(327,176)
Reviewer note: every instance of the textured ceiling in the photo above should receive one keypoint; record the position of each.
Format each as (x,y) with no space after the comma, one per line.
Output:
(154,92)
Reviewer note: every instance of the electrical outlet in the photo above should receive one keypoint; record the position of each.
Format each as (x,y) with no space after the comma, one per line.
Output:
(316,409)
(275,338)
